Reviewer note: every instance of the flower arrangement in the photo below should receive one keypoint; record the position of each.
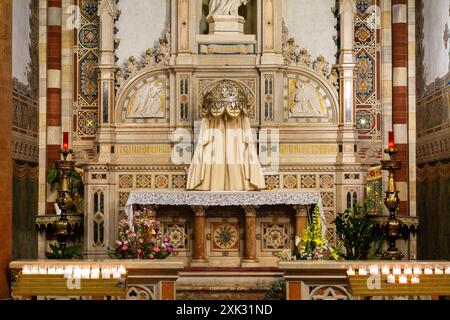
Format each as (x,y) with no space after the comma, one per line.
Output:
(314,246)
(142,239)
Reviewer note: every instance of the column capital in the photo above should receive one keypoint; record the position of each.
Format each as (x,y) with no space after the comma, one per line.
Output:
(301,210)
(347,6)
(108,7)
(250,211)
(199,211)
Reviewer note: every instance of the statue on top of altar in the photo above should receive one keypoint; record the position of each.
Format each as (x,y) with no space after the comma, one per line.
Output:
(226,158)
(225,7)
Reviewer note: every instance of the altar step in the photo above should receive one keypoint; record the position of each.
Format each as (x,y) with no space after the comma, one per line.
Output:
(228,283)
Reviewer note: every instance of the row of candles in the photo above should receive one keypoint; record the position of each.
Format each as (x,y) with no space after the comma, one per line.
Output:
(77,272)
(401,273)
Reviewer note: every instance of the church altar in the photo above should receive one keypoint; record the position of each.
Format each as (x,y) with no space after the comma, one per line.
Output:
(220,207)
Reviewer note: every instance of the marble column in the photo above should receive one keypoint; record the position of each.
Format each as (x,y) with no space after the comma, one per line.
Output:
(346,67)
(53,118)
(199,233)
(107,11)
(250,234)
(400,96)
(301,215)
(5,144)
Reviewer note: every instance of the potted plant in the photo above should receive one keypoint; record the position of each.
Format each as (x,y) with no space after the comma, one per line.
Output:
(357,234)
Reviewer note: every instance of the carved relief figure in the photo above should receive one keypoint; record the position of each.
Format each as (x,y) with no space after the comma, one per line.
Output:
(305,100)
(148,102)
(225,7)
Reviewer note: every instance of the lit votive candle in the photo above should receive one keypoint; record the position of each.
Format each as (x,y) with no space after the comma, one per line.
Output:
(391,278)
(117,275)
(428,271)
(350,271)
(417,270)
(85,273)
(373,270)
(77,273)
(408,271)
(95,274)
(403,279)
(42,270)
(51,270)
(415,280)
(447,270)
(397,271)
(122,270)
(105,273)
(26,270)
(362,271)
(385,270)
(34,270)
(438,270)
(60,271)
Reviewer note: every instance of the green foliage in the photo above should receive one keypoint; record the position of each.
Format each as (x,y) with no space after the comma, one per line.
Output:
(53,177)
(67,253)
(277,291)
(356,233)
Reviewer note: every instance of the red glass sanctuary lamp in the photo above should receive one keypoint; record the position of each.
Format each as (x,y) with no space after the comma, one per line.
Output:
(65,141)
(391,142)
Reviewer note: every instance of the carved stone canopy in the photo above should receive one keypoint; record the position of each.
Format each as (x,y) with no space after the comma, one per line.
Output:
(227,98)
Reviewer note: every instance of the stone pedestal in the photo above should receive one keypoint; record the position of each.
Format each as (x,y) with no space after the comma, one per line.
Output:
(226,36)
(226,25)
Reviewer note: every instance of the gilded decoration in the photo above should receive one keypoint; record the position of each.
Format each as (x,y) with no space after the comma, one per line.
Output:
(85,104)
(227,99)
(368,99)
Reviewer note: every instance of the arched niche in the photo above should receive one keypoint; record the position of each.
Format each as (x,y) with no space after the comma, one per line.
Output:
(144,100)
(309,98)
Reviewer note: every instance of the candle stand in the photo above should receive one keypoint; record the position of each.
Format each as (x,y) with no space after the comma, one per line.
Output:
(64,198)
(392,228)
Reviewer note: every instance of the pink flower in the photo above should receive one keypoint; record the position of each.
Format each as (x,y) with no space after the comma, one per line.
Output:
(157,249)
(124,248)
(119,243)
(139,251)
(152,256)
(141,240)
(163,245)
(152,240)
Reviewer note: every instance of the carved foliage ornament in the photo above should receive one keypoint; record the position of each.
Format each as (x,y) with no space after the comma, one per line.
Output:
(156,57)
(228,99)
(294,56)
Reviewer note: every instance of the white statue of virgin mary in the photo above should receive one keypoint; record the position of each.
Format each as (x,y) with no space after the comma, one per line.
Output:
(225,7)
